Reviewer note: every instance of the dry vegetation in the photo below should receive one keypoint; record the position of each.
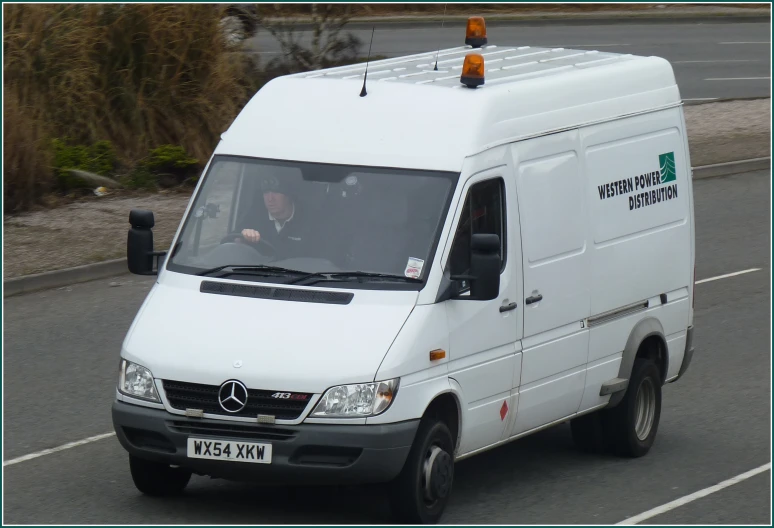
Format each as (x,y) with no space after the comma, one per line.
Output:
(26,160)
(136,75)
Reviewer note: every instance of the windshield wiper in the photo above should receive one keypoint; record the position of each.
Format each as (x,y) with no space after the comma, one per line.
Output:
(342,276)
(251,270)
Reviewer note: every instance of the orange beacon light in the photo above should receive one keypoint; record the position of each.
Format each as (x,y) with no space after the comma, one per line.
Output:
(473,70)
(475,34)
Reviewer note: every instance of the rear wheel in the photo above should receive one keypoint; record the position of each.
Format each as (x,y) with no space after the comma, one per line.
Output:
(156,479)
(420,493)
(632,425)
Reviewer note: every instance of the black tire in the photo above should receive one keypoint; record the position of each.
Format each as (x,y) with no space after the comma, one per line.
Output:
(407,492)
(621,421)
(588,433)
(157,480)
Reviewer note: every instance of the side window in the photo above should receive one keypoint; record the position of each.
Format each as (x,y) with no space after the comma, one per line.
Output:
(484,212)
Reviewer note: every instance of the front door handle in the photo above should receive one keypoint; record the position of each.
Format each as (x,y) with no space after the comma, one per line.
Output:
(508,307)
(534,299)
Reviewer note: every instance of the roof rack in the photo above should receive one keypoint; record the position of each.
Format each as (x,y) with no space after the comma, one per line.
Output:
(500,64)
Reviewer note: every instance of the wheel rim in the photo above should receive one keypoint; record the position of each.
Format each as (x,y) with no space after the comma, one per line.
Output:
(435,475)
(646,409)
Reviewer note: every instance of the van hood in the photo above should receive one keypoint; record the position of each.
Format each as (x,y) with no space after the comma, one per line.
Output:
(185,335)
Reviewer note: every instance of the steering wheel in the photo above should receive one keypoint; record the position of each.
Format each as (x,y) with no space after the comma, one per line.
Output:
(231,237)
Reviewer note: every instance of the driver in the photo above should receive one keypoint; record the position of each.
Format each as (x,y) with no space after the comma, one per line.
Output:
(283,224)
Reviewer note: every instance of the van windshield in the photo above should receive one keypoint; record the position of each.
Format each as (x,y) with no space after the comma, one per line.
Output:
(278,221)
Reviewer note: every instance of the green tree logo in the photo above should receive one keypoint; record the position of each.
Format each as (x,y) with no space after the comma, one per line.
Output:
(667,164)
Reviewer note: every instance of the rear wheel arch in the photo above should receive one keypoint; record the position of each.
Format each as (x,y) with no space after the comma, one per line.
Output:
(647,341)
(654,348)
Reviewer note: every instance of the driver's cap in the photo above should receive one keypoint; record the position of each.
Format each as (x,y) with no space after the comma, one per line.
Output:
(271,183)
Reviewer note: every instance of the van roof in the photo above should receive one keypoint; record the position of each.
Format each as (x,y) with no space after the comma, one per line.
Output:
(419,118)
(503,65)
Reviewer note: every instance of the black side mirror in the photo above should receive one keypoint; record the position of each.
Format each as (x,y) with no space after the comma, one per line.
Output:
(139,244)
(484,269)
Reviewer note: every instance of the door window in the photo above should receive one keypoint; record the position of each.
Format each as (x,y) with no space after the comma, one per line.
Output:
(483,212)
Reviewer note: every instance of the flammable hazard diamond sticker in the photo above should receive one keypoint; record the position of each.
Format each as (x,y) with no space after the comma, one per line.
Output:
(503,411)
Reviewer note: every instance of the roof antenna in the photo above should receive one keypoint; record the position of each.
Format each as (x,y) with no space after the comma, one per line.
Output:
(363,92)
(439,46)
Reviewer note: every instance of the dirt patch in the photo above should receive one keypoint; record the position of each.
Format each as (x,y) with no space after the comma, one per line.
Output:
(94,229)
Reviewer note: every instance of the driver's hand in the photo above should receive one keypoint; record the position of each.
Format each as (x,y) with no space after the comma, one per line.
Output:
(251,235)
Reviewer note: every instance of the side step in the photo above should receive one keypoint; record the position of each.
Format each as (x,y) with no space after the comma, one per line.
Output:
(613,386)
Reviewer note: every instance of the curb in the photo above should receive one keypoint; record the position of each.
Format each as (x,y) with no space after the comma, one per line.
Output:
(732,167)
(65,277)
(112,268)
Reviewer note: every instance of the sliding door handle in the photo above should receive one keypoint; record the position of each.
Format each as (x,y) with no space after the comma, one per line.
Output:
(508,307)
(534,299)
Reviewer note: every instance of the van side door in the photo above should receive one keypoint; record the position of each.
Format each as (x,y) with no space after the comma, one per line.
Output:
(551,187)
(484,335)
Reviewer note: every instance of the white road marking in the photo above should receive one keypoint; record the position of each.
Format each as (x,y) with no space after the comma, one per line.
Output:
(718,60)
(728,275)
(56,449)
(744,42)
(693,496)
(737,78)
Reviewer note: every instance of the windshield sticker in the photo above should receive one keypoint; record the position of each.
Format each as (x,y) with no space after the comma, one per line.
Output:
(414,267)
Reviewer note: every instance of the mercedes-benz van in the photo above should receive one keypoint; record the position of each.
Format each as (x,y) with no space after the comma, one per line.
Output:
(380,275)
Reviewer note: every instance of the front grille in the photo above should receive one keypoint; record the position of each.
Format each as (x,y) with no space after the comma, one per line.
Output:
(182,396)
(230,430)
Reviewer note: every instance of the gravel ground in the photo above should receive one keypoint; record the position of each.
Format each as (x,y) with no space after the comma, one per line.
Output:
(94,228)
(729,131)
(89,230)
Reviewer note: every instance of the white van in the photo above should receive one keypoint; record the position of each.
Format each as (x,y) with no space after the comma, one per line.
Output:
(369,286)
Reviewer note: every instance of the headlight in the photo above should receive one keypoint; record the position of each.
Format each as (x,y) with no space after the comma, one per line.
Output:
(136,381)
(356,401)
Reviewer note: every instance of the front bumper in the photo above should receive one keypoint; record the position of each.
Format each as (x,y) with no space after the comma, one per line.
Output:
(306,453)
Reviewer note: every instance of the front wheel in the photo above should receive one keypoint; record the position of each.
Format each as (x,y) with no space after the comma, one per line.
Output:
(420,493)
(156,479)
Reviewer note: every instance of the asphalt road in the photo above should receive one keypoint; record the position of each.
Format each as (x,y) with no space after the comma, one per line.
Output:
(60,368)
(712,60)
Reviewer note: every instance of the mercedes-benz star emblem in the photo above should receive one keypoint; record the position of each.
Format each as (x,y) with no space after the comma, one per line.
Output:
(232,396)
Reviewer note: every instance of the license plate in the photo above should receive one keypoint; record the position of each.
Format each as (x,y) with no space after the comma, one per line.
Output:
(229,450)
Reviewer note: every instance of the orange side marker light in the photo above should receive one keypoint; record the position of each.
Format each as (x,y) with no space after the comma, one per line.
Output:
(435,355)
